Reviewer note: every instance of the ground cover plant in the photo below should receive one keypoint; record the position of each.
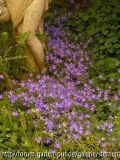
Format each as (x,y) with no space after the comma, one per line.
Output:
(97,23)
(62,109)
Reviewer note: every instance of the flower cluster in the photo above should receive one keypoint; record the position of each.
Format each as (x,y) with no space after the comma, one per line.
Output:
(63,96)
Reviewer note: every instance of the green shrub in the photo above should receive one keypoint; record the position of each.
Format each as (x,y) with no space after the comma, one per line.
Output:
(99,26)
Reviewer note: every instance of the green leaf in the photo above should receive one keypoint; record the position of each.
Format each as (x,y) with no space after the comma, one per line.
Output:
(45,132)
(14,138)
(15,126)
(85,18)
(105,32)
(77,22)
(81,14)
(3,146)
(22,38)
(93,31)
(33,110)
(42,37)
(80,27)
(9,144)
(105,25)
(23,138)
(107,85)
(108,9)
(101,114)
(94,119)
(101,39)
(117,45)
(9,135)
(79,77)
(1,118)
(100,100)
(26,144)
(95,49)
(99,19)
(113,16)
(118,26)
(109,40)
(113,109)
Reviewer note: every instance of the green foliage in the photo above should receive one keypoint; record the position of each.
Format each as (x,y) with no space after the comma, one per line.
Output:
(14,131)
(12,63)
(43,38)
(19,132)
(99,26)
(22,38)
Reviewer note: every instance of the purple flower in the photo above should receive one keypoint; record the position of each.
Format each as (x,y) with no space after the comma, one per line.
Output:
(14,82)
(38,76)
(55,11)
(15,113)
(103,144)
(118,108)
(86,105)
(103,150)
(57,144)
(98,89)
(102,139)
(116,98)
(111,80)
(100,76)
(117,64)
(80,130)
(12,98)
(118,70)
(110,125)
(90,81)
(22,84)
(47,140)
(87,132)
(38,139)
(35,122)
(28,111)
(31,75)
(110,116)
(1,96)
(53,151)
(1,76)
(93,108)
(110,104)
(113,139)
(106,98)
(44,70)
(87,115)
(118,80)
(58,96)
(49,124)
